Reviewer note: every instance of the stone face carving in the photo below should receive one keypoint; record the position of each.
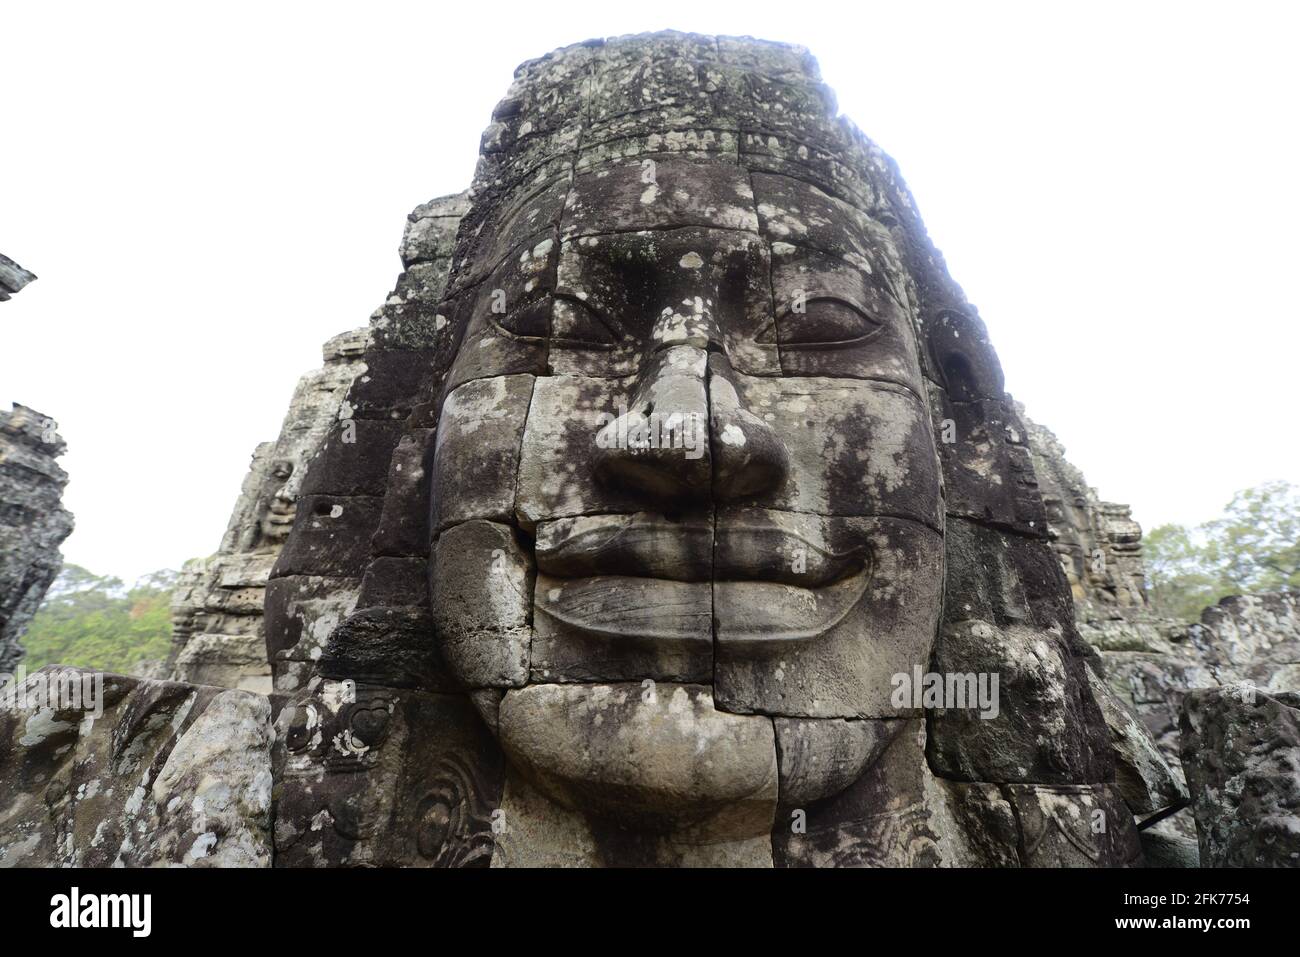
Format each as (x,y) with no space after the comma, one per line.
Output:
(217,635)
(132,772)
(33,522)
(676,434)
(1099,544)
(218,603)
(1241,751)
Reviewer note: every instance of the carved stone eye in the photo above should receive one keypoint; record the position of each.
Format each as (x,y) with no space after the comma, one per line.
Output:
(298,735)
(368,724)
(821,322)
(576,323)
(529,321)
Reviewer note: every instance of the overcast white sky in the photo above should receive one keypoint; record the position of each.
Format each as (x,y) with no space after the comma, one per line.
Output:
(208,193)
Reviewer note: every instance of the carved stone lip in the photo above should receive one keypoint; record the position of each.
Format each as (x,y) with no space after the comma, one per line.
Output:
(763,615)
(752,548)
(639,545)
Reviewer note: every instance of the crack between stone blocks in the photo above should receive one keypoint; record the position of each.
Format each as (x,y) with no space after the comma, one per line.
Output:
(1022,849)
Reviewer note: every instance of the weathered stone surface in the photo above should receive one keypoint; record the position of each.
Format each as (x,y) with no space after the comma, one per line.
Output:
(1142,775)
(1160,849)
(482,586)
(392,646)
(228,661)
(133,773)
(1252,638)
(1150,662)
(897,814)
(614,628)
(563,421)
(659,754)
(818,758)
(476,457)
(395,581)
(823,650)
(1044,731)
(1241,752)
(33,522)
(302,612)
(1099,544)
(1074,826)
(12,277)
(404,522)
(535,831)
(370,776)
(988,475)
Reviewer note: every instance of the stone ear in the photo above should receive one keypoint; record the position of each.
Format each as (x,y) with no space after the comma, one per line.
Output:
(962,356)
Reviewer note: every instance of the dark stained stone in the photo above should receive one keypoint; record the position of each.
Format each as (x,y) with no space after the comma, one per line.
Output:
(392,646)
(331,536)
(353,460)
(371,776)
(404,522)
(1241,752)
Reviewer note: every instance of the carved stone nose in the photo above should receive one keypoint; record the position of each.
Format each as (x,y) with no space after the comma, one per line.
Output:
(687,434)
(660,445)
(748,455)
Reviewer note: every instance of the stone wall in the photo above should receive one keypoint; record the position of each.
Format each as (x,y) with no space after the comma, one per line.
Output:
(33,521)
(111,771)
(1254,638)
(1152,662)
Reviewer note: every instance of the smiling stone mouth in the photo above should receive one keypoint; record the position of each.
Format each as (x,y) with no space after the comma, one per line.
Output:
(631,583)
(753,546)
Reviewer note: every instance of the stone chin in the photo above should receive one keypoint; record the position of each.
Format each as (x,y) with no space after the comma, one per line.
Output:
(276,525)
(657,754)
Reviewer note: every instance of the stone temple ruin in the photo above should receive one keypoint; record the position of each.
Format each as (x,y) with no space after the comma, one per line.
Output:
(671,511)
(33,522)
(217,631)
(13,277)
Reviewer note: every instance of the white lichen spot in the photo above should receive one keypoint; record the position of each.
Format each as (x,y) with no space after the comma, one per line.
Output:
(733,435)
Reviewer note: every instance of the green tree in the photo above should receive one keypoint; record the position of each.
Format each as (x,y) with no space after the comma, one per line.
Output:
(1253,548)
(1256,545)
(95,621)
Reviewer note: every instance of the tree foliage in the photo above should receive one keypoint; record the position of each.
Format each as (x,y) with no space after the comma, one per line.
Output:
(1253,548)
(96,621)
